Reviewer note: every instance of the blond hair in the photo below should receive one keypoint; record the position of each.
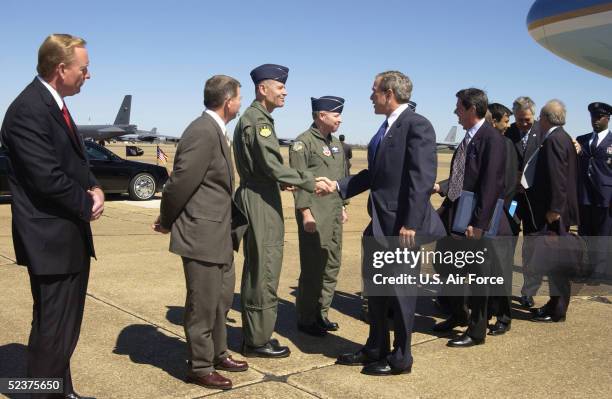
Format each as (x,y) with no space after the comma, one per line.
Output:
(57,48)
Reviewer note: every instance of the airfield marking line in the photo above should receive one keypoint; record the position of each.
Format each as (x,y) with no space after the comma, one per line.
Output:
(7,258)
(108,303)
(262,382)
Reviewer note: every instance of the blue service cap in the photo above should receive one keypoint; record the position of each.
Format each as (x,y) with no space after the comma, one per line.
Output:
(327,103)
(599,108)
(412,105)
(270,71)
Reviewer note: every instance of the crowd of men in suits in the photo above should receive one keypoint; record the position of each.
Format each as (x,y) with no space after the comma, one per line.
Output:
(545,181)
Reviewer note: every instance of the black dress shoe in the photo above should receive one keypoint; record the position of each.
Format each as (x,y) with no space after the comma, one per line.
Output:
(354,359)
(313,329)
(448,324)
(499,328)
(382,367)
(526,301)
(464,341)
(269,350)
(328,325)
(542,315)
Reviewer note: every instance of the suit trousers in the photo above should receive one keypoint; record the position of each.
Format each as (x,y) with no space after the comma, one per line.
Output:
(59,301)
(500,298)
(596,228)
(377,345)
(210,291)
(532,281)
(462,298)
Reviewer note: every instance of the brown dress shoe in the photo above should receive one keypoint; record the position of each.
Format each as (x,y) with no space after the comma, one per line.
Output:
(212,380)
(229,364)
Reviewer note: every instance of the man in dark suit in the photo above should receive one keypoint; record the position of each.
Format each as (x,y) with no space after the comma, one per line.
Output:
(595,189)
(553,199)
(527,137)
(197,208)
(478,165)
(55,197)
(500,303)
(401,170)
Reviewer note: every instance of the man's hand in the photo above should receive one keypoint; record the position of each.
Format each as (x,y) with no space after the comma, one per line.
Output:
(97,195)
(344,218)
(288,187)
(435,189)
(324,186)
(157,226)
(552,217)
(309,222)
(473,233)
(406,238)
(577,146)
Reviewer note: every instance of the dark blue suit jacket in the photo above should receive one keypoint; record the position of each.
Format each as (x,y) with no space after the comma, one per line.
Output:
(401,180)
(595,172)
(49,177)
(485,171)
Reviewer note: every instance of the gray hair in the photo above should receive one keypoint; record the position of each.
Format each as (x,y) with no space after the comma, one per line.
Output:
(554,112)
(397,82)
(523,104)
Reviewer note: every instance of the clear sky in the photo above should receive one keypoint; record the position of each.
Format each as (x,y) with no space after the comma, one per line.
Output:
(163,52)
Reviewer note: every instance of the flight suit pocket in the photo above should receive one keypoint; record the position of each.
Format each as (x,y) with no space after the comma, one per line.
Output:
(318,161)
(273,260)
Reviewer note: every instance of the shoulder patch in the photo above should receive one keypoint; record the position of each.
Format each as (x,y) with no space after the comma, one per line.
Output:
(264,131)
(297,146)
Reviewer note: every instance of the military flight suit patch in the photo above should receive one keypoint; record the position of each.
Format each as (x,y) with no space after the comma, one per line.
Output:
(335,150)
(265,131)
(609,150)
(326,151)
(297,146)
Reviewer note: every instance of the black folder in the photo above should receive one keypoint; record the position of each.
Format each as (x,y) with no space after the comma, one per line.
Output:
(465,209)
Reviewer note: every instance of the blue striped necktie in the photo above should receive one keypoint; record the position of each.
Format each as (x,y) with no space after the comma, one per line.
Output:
(375,142)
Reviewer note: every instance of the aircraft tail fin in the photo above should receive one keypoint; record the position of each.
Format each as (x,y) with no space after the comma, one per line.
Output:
(451,137)
(123,116)
(154,130)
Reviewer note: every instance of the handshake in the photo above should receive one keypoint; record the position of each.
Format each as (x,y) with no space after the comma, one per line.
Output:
(324,186)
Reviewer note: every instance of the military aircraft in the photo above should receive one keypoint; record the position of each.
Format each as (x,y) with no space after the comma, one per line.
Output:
(120,127)
(579,31)
(122,130)
(450,141)
(149,136)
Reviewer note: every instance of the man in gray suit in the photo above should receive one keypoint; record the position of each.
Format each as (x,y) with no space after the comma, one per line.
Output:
(196,208)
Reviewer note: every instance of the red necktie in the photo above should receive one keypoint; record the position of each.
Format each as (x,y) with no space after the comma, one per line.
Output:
(67,118)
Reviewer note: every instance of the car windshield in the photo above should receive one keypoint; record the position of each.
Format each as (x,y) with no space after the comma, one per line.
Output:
(97,153)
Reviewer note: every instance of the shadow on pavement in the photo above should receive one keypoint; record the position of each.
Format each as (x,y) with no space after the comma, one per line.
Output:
(145,344)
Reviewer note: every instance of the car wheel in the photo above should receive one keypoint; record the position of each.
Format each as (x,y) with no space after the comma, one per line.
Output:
(142,187)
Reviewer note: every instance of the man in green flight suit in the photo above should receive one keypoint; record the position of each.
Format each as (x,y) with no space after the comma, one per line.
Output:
(319,219)
(260,166)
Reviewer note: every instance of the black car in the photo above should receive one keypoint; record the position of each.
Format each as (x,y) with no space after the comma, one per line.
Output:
(115,174)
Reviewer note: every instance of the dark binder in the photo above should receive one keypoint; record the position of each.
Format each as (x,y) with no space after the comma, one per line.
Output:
(465,209)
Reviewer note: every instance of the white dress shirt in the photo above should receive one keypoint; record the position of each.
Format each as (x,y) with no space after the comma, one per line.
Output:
(601,136)
(58,99)
(472,131)
(217,119)
(394,115)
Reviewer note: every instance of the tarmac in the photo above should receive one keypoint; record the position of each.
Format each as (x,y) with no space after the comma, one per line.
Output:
(132,341)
